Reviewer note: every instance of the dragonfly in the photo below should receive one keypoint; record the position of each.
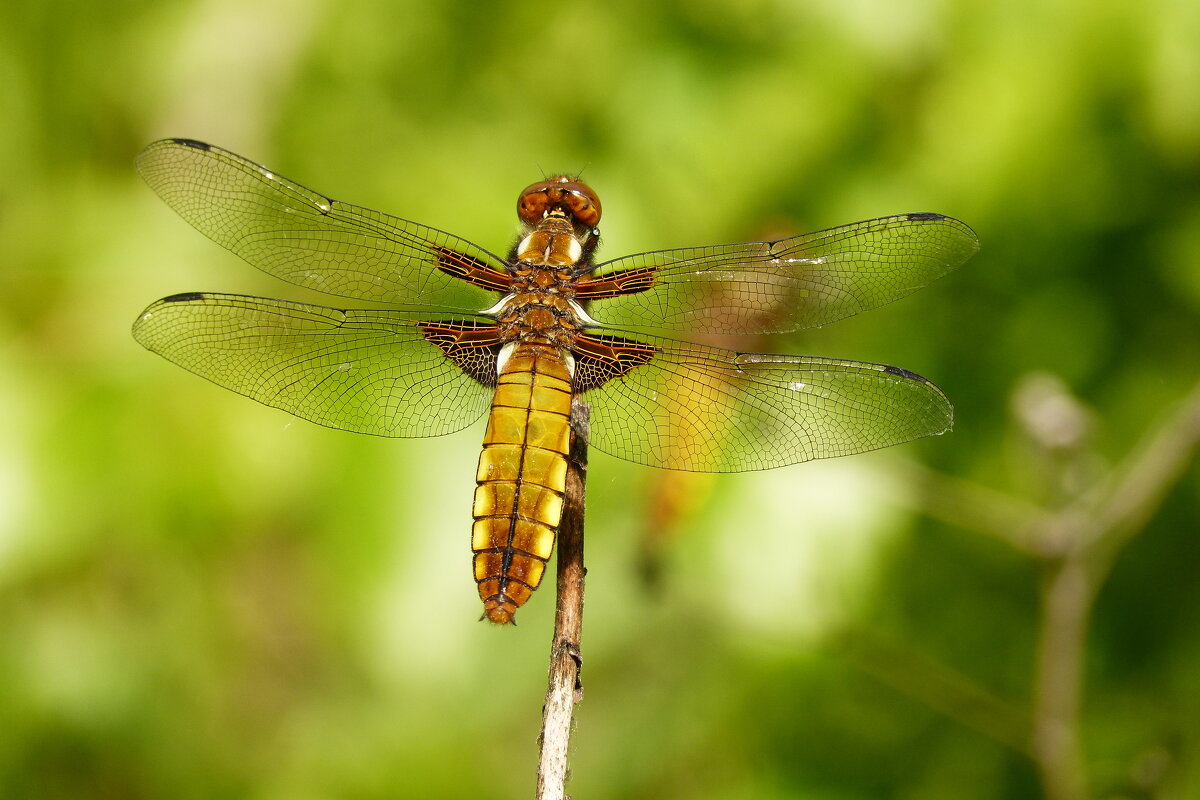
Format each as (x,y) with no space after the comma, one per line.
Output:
(458,331)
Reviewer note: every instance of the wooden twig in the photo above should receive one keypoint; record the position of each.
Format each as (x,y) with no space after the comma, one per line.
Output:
(564,689)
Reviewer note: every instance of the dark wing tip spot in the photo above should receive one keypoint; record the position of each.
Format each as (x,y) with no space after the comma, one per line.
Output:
(196,143)
(903,373)
(183,297)
(925,216)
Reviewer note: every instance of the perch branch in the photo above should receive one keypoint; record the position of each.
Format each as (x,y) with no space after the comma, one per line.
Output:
(564,689)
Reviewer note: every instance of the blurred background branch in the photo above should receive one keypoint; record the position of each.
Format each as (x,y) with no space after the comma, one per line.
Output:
(1074,545)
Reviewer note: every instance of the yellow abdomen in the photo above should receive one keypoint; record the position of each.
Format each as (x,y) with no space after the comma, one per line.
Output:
(521,478)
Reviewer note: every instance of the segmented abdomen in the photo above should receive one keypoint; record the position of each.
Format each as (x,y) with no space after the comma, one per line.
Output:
(521,477)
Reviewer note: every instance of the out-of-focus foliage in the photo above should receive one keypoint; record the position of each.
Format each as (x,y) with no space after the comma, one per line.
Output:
(202,598)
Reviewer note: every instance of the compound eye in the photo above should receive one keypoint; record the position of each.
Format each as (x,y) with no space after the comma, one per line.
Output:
(533,203)
(582,202)
(561,193)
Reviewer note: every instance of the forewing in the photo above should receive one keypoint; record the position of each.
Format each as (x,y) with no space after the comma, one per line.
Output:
(705,409)
(308,239)
(358,370)
(785,285)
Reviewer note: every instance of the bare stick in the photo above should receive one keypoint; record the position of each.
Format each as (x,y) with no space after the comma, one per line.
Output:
(564,689)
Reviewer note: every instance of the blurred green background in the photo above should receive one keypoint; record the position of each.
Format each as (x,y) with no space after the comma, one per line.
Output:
(204,598)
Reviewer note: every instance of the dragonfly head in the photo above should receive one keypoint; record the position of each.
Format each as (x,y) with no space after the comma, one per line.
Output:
(561,195)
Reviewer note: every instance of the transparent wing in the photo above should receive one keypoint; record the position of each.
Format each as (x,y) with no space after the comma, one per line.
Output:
(308,239)
(772,287)
(705,409)
(358,370)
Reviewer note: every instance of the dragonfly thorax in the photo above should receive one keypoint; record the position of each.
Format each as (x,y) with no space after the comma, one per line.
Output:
(553,243)
(539,314)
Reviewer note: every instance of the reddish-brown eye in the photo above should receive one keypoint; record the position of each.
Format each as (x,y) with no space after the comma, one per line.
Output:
(572,197)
